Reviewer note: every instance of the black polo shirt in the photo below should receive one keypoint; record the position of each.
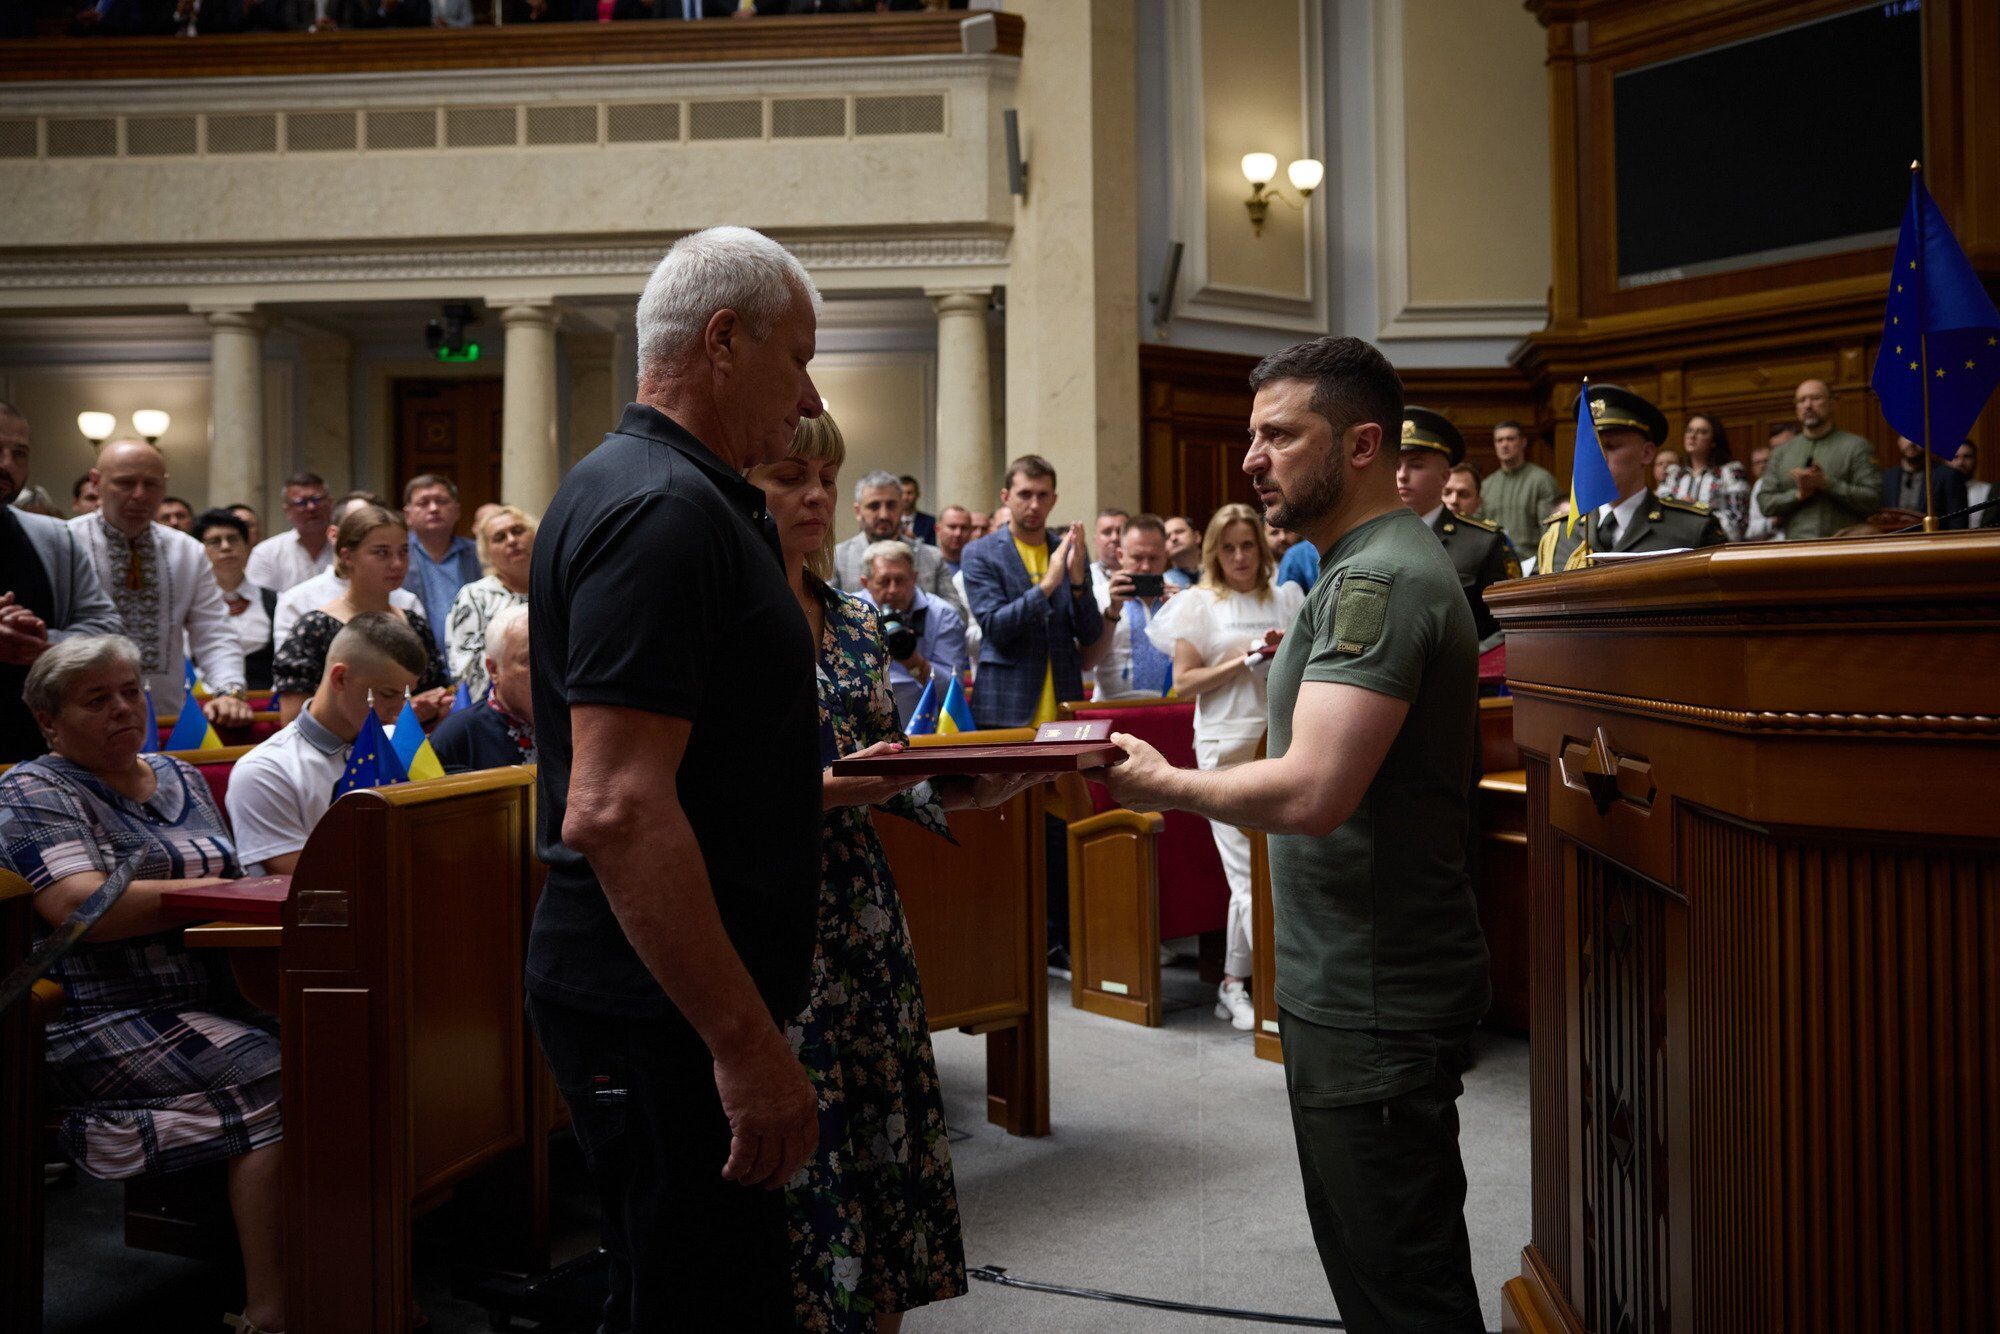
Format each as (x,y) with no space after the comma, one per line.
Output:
(658,585)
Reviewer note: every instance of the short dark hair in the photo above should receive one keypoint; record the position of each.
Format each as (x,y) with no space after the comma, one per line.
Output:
(305,479)
(1145,523)
(1353,383)
(1032,466)
(908,480)
(239,505)
(387,635)
(424,479)
(219,518)
(1511,425)
(1110,510)
(76,487)
(177,500)
(1468,470)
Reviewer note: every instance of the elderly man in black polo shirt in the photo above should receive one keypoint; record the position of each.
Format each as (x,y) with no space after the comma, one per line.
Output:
(677,718)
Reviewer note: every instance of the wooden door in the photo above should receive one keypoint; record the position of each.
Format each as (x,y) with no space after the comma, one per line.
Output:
(450,427)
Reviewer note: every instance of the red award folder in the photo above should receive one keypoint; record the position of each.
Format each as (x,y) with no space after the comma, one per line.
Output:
(258,899)
(1058,748)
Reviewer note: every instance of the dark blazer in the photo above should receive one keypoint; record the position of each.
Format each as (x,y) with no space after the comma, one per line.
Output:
(1947,492)
(923,527)
(1024,634)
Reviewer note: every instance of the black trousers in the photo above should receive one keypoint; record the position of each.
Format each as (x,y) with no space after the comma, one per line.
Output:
(689,1251)
(1375,1113)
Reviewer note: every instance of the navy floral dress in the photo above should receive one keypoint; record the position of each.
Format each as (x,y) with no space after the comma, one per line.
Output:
(874,1215)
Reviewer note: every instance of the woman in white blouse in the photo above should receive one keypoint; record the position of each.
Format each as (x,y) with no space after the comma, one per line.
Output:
(226,538)
(1220,633)
(506,539)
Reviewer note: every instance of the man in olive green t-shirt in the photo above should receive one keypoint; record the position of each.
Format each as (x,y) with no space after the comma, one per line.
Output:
(1520,494)
(1821,480)
(1381,967)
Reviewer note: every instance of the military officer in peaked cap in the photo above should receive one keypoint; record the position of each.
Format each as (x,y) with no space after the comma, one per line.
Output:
(1630,430)
(1480,552)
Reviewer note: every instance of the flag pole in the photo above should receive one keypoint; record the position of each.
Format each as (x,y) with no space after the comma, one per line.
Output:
(1924,358)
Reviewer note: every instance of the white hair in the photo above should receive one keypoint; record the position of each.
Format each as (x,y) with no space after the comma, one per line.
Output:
(876,481)
(722,268)
(888,549)
(65,660)
(502,625)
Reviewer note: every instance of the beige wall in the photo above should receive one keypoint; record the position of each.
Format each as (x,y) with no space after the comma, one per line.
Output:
(882,404)
(1251,97)
(1476,152)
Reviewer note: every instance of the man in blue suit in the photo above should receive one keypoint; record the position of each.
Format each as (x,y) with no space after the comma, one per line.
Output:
(1031,598)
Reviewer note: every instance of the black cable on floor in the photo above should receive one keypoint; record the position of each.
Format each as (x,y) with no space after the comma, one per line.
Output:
(996,1275)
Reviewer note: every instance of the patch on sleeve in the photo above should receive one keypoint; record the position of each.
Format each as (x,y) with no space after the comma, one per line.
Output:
(1360,612)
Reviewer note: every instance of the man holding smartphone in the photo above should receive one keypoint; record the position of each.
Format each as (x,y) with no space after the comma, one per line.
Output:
(1127,664)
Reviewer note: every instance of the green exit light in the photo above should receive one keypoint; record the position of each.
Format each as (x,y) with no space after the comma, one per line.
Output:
(469,353)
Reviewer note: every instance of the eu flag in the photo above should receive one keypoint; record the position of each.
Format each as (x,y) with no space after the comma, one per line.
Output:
(1941,332)
(1590,483)
(924,718)
(372,762)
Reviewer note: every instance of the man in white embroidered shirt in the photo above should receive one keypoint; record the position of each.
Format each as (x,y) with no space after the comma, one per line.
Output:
(278,791)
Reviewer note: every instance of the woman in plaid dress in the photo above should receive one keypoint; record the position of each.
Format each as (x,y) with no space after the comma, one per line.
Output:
(157,1062)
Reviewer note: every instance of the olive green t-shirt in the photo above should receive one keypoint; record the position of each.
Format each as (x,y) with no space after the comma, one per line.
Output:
(1376,922)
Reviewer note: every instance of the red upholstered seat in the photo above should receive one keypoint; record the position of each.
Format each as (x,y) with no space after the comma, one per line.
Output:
(217,778)
(1194,893)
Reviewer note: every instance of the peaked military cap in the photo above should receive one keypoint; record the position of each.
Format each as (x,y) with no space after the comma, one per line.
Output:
(1615,405)
(1424,429)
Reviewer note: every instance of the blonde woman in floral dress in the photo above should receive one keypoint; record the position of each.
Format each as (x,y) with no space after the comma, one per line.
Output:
(875,1227)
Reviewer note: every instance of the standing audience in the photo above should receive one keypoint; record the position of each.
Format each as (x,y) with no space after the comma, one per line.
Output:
(1520,494)
(156,1062)
(1903,486)
(1126,663)
(160,581)
(954,530)
(286,560)
(176,514)
(1822,480)
(48,591)
(1183,552)
(500,729)
(1222,633)
(1104,548)
(226,540)
(250,522)
(83,497)
(917,525)
(923,635)
(328,584)
(1966,462)
(878,505)
(506,550)
(1712,477)
(441,561)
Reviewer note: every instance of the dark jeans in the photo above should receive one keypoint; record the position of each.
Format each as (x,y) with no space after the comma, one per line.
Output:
(1376,1117)
(689,1251)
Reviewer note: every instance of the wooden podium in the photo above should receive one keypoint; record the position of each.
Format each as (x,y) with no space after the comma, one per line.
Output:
(1765,844)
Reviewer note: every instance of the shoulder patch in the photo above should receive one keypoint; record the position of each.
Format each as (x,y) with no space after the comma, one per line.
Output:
(1360,611)
(1690,506)
(1475,522)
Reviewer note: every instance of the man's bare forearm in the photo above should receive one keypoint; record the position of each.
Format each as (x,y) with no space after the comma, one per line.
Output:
(1260,795)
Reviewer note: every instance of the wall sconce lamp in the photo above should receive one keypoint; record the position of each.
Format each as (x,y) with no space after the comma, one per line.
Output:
(1259,168)
(96,426)
(151,423)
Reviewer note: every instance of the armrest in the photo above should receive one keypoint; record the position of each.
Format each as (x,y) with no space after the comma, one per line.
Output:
(1147,822)
(45,1002)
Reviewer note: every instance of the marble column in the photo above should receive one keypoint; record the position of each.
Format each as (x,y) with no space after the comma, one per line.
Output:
(236,408)
(530,465)
(967,472)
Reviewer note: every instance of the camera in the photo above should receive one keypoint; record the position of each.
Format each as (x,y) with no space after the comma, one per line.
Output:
(900,630)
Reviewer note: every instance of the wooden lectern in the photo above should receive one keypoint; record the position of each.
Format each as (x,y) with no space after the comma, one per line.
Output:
(1766,913)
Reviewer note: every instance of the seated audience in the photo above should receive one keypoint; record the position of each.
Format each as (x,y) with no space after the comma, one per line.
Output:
(226,539)
(48,591)
(917,525)
(1461,497)
(441,562)
(280,789)
(1711,477)
(1127,663)
(1183,552)
(955,527)
(1822,480)
(287,560)
(1966,462)
(325,586)
(878,504)
(372,552)
(1903,485)
(500,729)
(506,546)
(176,514)
(168,603)
(83,497)
(156,1064)
(250,521)
(923,635)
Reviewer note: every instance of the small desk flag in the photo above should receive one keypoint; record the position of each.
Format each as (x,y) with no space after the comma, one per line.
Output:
(461,700)
(372,762)
(956,715)
(1941,331)
(151,745)
(413,748)
(1590,483)
(192,730)
(924,720)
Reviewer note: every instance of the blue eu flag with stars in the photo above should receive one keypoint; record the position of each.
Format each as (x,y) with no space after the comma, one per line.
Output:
(372,762)
(1941,332)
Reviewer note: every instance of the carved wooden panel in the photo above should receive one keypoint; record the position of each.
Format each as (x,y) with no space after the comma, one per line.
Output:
(1548,1048)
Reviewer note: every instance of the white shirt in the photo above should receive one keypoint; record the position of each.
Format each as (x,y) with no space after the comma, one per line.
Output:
(1217,625)
(1114,669)
(282,562)
(315,593)
(1626,510)
(1977,493)
(190,612)
(279,790)
(252,625)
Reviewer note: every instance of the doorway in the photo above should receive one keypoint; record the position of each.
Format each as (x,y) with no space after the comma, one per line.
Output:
(450,427)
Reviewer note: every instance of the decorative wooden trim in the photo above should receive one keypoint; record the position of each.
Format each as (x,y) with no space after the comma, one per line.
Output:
(268,55)
(1765,722)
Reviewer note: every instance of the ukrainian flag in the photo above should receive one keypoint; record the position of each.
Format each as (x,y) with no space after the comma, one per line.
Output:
(412,747)
(957,714)
(371,762)
(192,680)
(924,718)
(1590,484)
(192,730)
(461,700)
(151,745)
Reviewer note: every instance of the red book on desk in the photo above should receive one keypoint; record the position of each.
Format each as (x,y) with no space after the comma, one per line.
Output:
(257,899)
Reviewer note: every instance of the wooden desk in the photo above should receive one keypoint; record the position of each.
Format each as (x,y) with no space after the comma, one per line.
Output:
(20,1128)
(1766,913)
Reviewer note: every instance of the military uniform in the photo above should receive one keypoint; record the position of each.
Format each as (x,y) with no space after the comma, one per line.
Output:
(1479,551)
(1657,523)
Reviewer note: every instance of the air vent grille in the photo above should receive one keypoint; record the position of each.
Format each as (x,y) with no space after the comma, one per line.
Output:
(913,113)
(162,136)
(725,120)
(562,125)
(643,122)
(97,137)
(257,133)
(401,130)
(480,127)
(320,132)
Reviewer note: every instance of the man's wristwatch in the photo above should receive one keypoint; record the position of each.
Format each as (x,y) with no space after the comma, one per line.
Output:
(234,692)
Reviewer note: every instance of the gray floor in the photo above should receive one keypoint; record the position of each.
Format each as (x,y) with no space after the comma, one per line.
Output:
(1170,1174)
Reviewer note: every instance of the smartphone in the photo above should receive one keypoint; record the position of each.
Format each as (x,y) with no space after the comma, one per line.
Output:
(1148,585)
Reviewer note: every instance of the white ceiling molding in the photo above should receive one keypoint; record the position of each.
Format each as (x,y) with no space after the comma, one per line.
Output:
(1203,299)
(1402,317)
